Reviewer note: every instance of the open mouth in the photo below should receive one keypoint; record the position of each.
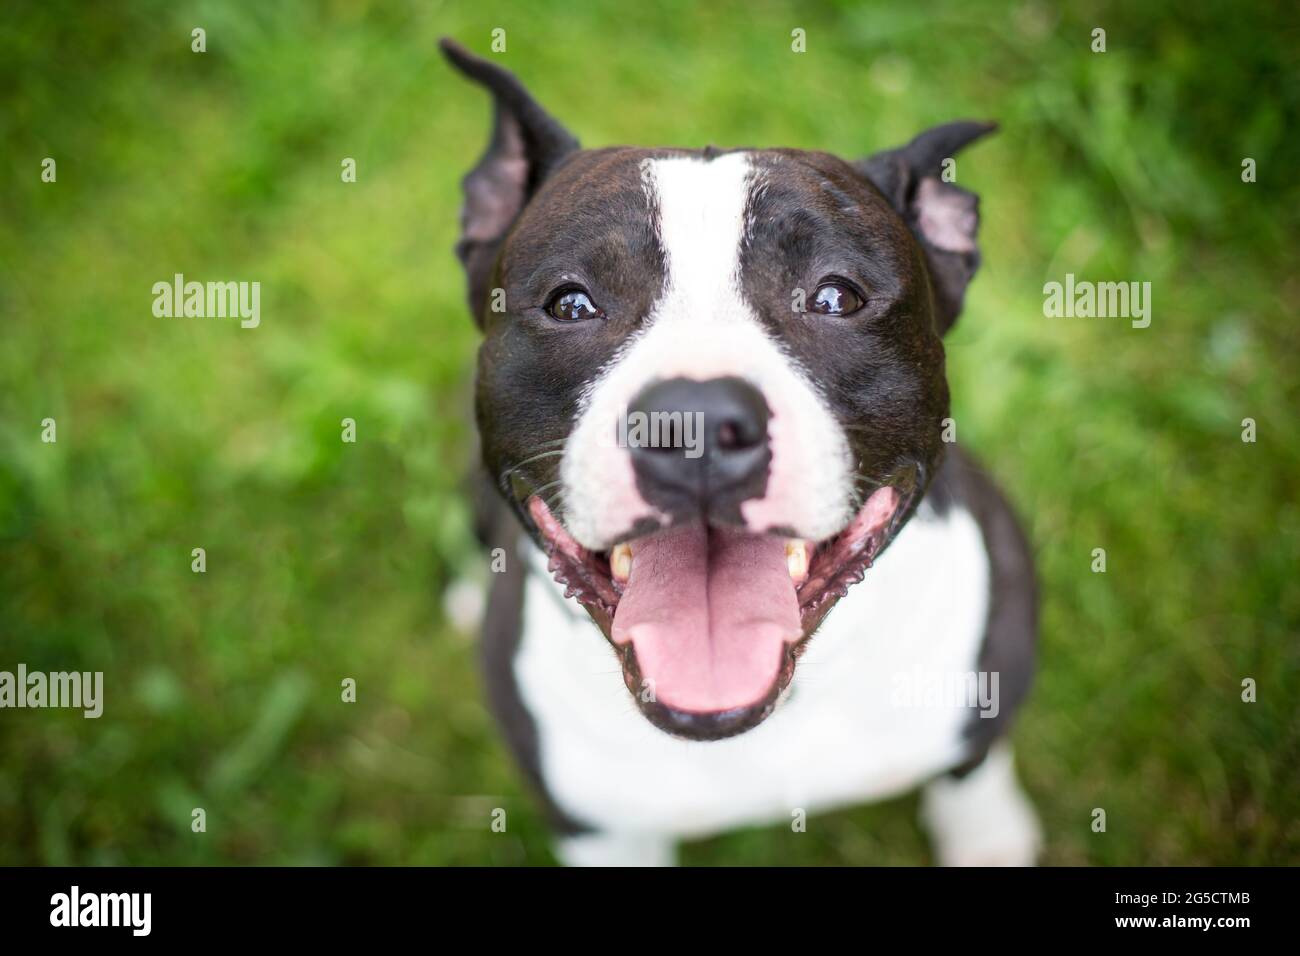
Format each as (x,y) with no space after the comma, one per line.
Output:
(709,621)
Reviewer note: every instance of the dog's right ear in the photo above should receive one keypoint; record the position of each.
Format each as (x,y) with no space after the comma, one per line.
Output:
(527,143)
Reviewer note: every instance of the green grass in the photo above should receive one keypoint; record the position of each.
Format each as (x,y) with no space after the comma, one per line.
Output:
(326,560)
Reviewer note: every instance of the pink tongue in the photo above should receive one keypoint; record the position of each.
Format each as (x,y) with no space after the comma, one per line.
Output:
(707,613)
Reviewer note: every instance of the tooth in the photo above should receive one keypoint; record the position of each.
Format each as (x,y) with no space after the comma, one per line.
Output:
(620,561)
(796,559)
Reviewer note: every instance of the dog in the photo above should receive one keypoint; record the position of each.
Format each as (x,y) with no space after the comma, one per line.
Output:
(778,314)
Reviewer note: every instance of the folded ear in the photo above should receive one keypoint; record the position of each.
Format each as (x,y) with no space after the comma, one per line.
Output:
(944,217)
(527,143)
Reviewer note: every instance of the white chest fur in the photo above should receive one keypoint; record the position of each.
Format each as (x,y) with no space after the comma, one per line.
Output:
(844,734)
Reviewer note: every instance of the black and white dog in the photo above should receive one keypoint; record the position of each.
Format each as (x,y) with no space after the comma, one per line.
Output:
(787,308)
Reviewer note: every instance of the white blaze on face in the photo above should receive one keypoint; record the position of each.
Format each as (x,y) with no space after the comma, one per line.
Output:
(701,327)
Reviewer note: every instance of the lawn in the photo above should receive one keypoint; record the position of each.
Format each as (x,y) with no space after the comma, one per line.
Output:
(328,560)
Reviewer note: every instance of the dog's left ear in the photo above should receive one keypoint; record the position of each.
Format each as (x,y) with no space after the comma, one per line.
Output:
(943,217)
(527,143)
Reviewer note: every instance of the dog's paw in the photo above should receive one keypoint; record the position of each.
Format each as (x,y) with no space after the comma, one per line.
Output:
(1013,843)
(616,849)
(463,603)
(983,819)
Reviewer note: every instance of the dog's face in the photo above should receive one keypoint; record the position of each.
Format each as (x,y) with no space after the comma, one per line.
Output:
(711,383)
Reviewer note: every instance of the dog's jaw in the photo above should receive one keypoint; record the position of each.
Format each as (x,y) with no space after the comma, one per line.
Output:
(759,607)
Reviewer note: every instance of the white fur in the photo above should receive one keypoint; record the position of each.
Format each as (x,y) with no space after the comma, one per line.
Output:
(616,849)
(983,819)
(463,604)
(839,738)
(702,327)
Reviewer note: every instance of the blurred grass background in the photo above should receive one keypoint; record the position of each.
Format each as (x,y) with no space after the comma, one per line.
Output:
(327,560)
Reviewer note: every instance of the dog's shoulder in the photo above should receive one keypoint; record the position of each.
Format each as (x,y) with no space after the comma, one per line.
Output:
(1011,629)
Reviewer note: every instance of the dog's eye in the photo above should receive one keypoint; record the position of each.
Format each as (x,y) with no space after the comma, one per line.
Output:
(835,298)
(573,305)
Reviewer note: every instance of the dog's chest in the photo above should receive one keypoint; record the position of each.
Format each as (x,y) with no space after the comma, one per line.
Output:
(852,728)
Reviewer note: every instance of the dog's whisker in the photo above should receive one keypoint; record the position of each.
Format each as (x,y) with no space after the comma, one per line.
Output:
(503,481)
(554,501)
(530,459)
(546,487)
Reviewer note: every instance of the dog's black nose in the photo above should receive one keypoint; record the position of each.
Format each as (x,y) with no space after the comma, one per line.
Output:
(699,446)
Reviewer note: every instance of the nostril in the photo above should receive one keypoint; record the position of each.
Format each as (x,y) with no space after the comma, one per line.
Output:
(738,435)
(728,436)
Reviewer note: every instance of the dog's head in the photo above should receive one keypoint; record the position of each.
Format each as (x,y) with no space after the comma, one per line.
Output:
(711,382)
